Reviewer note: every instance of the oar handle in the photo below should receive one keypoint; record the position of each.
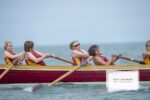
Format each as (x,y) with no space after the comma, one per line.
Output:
(130,59)
(62,59)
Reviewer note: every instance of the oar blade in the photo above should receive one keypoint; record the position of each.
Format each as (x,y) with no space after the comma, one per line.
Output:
(37,87)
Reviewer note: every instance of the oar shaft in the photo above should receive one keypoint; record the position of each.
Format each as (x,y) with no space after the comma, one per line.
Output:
(64,60)
(5,72)
(131,59)
(8,69)
(64,76)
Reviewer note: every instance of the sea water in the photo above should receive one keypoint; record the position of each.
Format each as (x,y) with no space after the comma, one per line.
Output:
(68,91)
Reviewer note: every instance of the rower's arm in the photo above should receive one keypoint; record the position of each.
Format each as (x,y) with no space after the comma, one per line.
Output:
(100,61)
(39,52)
(113,59)
(49,55)
(7,54)
(34,59)
(79,54)
(85,52)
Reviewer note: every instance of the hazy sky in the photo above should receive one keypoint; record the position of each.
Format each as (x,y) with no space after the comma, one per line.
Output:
(50,22)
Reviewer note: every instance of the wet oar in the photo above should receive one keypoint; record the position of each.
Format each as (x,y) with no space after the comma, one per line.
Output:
(62,59)
(37,87)
(64,76)
(130,59)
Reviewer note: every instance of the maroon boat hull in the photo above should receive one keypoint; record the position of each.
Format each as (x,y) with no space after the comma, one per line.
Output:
(44,76)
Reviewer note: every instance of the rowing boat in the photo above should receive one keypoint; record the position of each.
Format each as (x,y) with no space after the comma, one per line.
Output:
(44,74)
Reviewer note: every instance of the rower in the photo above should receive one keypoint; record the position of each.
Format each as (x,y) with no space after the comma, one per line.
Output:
(146,55)
(10,56)
(98,58)
(34,57)
(79,56)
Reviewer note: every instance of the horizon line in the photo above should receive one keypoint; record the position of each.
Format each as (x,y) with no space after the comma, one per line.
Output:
(90,43)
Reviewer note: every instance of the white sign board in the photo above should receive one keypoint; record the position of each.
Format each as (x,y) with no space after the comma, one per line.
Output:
(122,80)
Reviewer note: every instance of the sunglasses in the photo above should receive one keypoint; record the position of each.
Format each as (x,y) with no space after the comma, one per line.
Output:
(76,45)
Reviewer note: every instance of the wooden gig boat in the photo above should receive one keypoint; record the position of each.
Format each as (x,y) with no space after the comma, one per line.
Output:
(45,74)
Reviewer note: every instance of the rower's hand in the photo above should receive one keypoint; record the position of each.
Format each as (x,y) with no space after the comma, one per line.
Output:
(52,55)
(113,55)
(49,55)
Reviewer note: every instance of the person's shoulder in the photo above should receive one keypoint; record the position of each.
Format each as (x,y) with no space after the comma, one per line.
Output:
(35,51)
(6,52)
(75,53)
(145,53)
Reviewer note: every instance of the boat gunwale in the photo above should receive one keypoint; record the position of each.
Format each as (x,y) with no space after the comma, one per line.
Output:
(84,68)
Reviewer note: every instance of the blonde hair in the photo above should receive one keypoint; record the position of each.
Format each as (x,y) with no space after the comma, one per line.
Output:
(6,44)
(73,42)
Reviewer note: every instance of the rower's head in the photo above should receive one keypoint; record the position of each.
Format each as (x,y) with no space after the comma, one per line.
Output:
(148,45)
(8,46)
(94,50)
(28,46)
(75,45)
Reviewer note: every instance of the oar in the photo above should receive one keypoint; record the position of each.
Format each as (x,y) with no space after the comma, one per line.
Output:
(8,69)
(62,59)
(64,76)
(130,59)
(37,87)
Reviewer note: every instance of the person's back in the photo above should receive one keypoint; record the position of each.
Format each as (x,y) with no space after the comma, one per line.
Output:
(146,55)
